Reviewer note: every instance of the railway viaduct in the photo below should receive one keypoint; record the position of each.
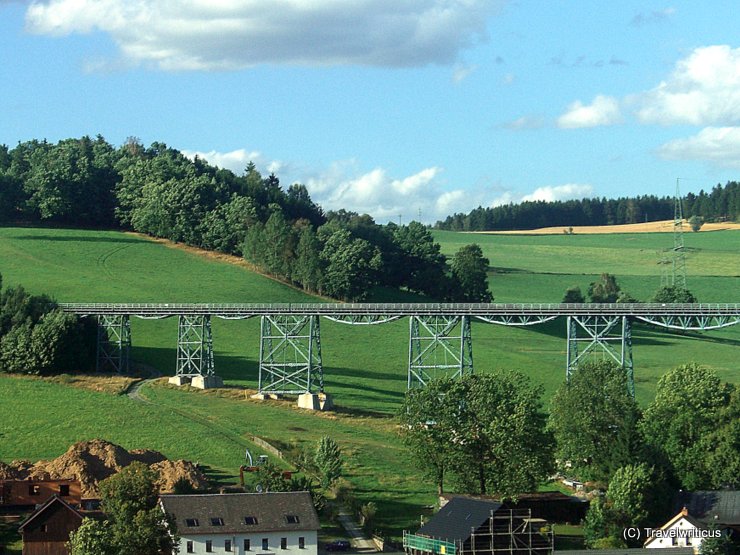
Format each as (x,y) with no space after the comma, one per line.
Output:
(440,340)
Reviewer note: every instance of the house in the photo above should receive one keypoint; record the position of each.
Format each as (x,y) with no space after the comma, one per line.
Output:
(681,531)
(485,527)
(245,523)
(28,494)
(702,514)
(46,530)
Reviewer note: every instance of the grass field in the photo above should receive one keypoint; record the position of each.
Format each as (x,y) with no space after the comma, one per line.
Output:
(365,367)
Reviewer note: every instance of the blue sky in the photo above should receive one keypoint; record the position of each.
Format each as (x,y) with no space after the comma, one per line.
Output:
(393,107)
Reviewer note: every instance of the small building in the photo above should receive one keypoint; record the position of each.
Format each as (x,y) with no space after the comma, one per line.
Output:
(702,513)
(28,494)
(681,531)
(467,526)
(245,523)
(46,531)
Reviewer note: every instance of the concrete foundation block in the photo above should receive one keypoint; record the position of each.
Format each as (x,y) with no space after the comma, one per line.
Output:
(315,401)
(207,382)
(179,380)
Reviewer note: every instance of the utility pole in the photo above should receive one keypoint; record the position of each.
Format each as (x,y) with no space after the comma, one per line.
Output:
(679,255)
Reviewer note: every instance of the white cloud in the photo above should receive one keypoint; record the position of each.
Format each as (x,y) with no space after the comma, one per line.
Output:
(560,192)
(380,195)
(719,146)
(604,110)
(235,34)
(461,72)
(525,122)
(704,89)
(236,160)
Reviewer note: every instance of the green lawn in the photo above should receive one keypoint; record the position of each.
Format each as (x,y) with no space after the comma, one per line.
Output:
(365,366)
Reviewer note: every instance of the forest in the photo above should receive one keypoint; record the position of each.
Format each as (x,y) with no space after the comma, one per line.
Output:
(722,203)
(159,191)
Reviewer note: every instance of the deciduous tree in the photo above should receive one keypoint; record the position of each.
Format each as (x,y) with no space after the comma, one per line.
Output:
(484,422)
(594,419)
(687,408)
(469,268)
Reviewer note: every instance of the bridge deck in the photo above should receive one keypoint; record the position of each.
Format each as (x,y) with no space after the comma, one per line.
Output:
(163,310)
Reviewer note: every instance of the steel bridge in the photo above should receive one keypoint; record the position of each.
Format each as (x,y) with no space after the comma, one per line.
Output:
(440,339)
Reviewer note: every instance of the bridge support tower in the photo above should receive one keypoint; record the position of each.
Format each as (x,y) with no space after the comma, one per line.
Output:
(114,343)
(290,359)
(439,346)
(195,353)
(610,335)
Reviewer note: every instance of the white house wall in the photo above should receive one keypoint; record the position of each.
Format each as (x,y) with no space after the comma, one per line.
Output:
(237,543)
(687,537)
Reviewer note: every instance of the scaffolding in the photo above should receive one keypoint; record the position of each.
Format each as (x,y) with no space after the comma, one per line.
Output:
(506,531)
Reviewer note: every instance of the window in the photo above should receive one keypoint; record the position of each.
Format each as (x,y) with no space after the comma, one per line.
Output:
(227,545)
(265,544)
(292,519)
(247,544)
(283,543)
(301,542)
(191,522)
(189,547)
(217,521)
(44,528)
(209,546)
(34,489)
(64,490)
(250,520)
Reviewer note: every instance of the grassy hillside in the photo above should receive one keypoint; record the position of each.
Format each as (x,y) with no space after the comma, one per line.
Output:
(365,367)
(540,268)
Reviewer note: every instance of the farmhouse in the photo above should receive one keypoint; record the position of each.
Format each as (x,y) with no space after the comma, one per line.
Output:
(245,523)
(28,494)
(703,513)
(47,529)
(466,526)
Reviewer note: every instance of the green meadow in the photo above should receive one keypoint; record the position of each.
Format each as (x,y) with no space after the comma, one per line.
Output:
(365,366)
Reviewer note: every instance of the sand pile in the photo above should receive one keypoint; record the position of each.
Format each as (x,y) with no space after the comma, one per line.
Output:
(90,462)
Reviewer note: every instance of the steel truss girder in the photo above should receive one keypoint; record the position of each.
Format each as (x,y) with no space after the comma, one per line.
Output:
(434,350)
(516,319)
(601,335)
(290,355)
(114,343)
(363,319)
(194,346)
(692,323)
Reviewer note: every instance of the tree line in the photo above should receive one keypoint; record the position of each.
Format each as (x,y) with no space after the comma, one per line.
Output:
(159,191)
(722,203)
